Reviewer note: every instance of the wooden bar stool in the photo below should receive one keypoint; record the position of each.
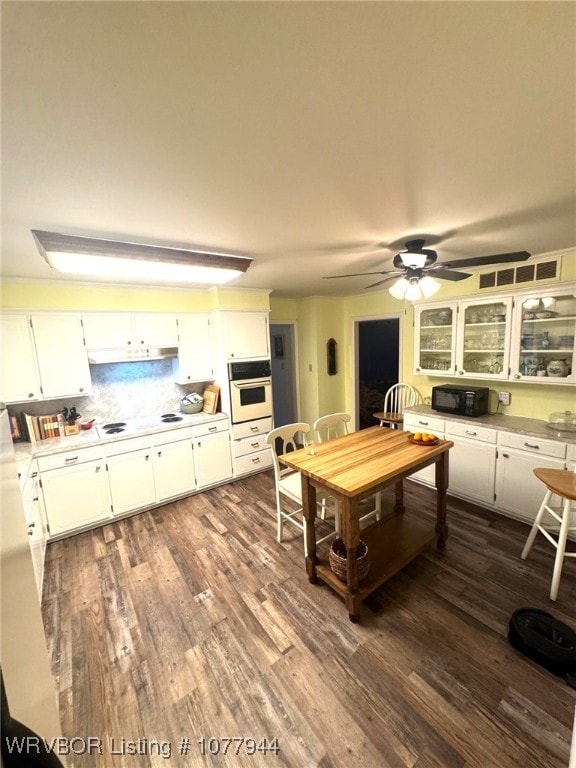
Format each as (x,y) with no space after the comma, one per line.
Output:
(561,483)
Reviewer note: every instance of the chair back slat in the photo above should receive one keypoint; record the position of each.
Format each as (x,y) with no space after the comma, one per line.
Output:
(331,425)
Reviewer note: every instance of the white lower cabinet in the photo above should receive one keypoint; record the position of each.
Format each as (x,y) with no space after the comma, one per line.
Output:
(429,424)
(472,461)
(173,462)
(518,490)
(212,458)
(251,451)
(75,489)
(131,475)
(36,523)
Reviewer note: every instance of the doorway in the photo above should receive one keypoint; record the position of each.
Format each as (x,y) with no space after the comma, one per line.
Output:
(377,365)
(283,363)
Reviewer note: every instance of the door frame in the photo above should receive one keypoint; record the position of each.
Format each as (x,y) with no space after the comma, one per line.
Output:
(356,356)
(295,361)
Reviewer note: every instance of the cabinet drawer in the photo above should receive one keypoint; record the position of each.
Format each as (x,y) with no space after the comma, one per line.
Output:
(210,428)
(415,423)
(253,462)
(250,445)
(70,458)
(532,444)
(125,446)
(249,428)
(172,436)
(471,431)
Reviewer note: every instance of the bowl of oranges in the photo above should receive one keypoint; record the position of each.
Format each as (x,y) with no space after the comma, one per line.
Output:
(423,438)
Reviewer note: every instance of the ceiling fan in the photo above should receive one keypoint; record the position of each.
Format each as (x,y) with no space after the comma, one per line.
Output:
(415,266)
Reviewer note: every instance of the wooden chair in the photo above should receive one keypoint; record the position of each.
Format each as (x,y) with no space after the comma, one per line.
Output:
(289,483)
(335,425)
(560,483)
(398,398)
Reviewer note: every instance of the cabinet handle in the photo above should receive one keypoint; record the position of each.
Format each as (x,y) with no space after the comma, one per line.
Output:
(30,394)
(516,375)
(418,369)
(254,445)
(460,373)
(30,533)
(506,455)
(253,429)
(31,525)
(72,458)
(256,461)
(424,423)
(81,389)
(147,457)
(471,433)
(159,453)
(128,342)
(212,429)
(34,498)
(34,474)
(535,447)
(97,469)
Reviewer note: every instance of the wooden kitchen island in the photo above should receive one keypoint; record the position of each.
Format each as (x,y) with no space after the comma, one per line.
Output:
(352,468)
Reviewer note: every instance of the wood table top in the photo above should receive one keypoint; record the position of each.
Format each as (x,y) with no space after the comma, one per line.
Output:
(362,460)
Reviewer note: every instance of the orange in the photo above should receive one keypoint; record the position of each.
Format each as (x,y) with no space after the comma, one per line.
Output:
(417,436)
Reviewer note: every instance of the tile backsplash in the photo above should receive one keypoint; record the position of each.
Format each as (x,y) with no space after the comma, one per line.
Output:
(122,391)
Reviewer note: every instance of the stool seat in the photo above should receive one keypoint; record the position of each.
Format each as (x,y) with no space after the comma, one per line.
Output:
(559,483)
(562,482)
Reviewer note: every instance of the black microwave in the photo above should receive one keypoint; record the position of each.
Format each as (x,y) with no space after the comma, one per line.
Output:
(461,400)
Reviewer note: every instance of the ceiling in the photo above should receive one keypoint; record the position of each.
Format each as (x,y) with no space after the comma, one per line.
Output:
(314,137)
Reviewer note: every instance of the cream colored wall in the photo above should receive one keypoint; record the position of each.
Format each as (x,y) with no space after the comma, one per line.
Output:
(54,295)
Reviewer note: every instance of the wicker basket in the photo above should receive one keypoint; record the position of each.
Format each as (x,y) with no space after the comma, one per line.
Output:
(338,561)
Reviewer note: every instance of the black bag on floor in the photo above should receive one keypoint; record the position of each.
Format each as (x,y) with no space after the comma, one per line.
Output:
(546,640)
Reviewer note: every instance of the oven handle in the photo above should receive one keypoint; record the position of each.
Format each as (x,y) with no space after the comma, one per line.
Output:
(262,383)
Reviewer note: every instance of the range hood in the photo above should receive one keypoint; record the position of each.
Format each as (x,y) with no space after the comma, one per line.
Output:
(130,355)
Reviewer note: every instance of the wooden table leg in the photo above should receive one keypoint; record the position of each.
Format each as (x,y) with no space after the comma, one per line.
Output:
(351,538)
(309,510)
(441,487)
(399,497)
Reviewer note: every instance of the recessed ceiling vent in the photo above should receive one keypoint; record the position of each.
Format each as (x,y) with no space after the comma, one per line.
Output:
(526,273)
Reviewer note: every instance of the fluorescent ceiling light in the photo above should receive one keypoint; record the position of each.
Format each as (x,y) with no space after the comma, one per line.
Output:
(110,258)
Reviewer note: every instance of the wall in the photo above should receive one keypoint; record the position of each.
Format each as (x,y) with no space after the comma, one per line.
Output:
(60,295)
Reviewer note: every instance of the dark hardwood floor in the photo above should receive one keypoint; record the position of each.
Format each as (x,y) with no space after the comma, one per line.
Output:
(192,622)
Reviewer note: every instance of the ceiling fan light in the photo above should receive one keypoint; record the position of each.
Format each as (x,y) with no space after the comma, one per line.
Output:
(429,286)
(413,260)
(413,292)
(398,290)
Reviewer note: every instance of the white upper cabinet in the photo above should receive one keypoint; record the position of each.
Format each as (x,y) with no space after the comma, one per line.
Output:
(483,338)
(113,330)
(435,338)
(543,347)
(245,335)
(61,355)
(19,379)
(194,361)
(520,337)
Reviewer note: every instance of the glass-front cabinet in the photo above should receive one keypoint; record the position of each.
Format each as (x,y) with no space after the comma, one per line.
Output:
(483,334)
(517,337)
(435,339)
(543,338)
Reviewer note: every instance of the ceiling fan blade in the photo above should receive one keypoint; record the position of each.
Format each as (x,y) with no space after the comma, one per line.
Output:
(381,282)
(449,274)
(358,274)
(497,258)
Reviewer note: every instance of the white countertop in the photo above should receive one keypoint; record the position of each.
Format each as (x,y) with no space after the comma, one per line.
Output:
(518,424)
(96,436)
